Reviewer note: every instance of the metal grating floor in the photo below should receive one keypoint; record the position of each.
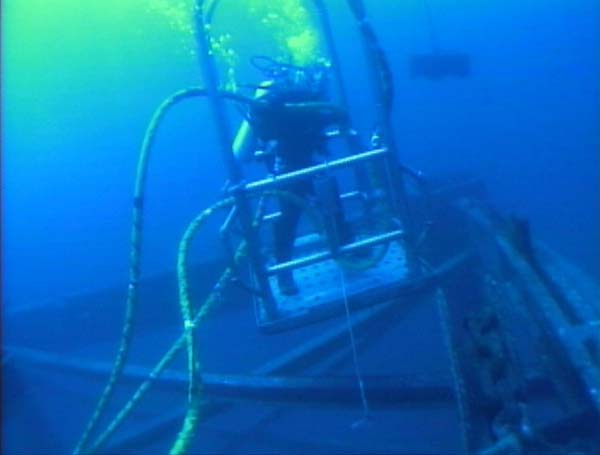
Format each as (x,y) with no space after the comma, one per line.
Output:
(322,289)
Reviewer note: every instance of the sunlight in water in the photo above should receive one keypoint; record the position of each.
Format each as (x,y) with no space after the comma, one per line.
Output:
(284,30)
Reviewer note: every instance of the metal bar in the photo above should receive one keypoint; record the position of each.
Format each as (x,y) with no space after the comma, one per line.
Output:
(271,216)
(228,221)
(289,177)
(381,82)
(460,390)
(351,138)
(333,53)
(233,167)
(325,255)
(352,195)
(580,374)
(384,390)
(211,81)
(566,351)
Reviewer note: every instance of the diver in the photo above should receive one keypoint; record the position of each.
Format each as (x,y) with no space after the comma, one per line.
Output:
(288,125)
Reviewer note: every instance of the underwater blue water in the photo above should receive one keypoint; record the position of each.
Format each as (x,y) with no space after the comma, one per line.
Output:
(526,122)
(80,81)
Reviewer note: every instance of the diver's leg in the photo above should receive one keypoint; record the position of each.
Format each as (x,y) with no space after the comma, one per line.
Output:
(285,232)
(284,235)
(338,229)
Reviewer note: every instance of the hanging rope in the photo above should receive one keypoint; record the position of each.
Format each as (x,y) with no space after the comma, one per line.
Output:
(169,356)
(190,423)
(134,256)
(191,322)
(357,372)
(135,253)
(135,259)
(136,245)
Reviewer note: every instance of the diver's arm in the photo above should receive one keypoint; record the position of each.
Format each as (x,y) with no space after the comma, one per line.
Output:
(244,142)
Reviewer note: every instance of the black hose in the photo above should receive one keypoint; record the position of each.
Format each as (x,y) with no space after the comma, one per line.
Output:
(358,9)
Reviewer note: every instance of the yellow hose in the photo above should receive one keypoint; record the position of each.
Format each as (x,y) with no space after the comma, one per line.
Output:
(134,256)
(190,422)
(167,358)
(185,302)
(187,432)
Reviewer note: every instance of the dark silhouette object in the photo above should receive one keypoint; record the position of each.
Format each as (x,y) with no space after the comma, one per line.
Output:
(439,65)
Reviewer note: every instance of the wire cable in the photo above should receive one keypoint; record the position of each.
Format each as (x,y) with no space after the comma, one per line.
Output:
(357,372)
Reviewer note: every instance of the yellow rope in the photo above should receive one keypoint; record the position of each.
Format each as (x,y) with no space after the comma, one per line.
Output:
(134,257)
(187,432)
(168,357)
(190,423)
(192,417)
(136,244)
(134,277)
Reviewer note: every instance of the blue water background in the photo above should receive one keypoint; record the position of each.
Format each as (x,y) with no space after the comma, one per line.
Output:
(526,122)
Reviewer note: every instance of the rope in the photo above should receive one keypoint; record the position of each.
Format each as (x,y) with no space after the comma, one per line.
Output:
(167,358)
(191,419)
(359,379)
(357,372)
(190,422)
(134,258)
(136,245)
(192,416)
(135,265)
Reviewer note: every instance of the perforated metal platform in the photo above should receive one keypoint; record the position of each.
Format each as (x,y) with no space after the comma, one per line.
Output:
(321,288)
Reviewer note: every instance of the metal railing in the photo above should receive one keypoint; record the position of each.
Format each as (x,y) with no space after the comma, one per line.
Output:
(345,249)
(279,180)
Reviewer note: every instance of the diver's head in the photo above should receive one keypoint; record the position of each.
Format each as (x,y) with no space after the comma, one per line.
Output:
(308,82)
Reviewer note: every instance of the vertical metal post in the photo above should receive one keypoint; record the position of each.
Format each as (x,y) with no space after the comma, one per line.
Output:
(235,175)
(352,141)
(332,50)
(212,86)
(380,75)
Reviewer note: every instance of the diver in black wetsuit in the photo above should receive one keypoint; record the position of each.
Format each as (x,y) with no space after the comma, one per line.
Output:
(290,120)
